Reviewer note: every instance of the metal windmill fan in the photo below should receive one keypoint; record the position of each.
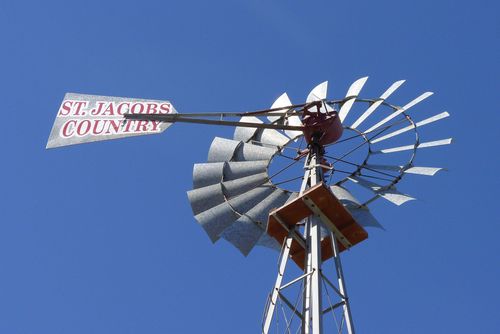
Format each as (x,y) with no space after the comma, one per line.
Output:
(236,178)
(286,180)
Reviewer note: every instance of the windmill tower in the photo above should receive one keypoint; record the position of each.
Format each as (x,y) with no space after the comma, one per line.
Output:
(238,195)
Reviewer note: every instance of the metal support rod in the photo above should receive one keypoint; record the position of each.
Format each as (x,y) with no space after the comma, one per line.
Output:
(275,293)
(295,281)
(306,309)
(341,281)
(313,316)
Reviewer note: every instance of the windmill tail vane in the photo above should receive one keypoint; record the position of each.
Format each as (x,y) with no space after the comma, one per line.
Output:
(297,178)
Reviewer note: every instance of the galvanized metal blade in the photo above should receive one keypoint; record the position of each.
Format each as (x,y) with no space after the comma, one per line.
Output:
(205,174)
(216,219)
(281,102)
(411,147)
(360,213)
(202,199)
(391,194)
(240,186)
(222,149)
(284,102)
(237,169)
(319,94)
(377,103)
(246,133)
(245,232)
(250,152)
(411,127)
(400,111)
(350,97)
(429,171)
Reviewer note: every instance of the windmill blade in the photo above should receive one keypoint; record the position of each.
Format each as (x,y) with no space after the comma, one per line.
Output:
(249,152)
(207,197)
(246,133)
(400,111)
(237,169)
(245,232)
(411,127)
(411,147)
(350,97)
(377,103)
(429,171)
(281,102)
(88,118)
(239,186)
(223,149)
(271,137)
(206,174)
(216,219)
(391,194)
(319,94)
(202,199)
(262,136)
(360,213)
(284,102)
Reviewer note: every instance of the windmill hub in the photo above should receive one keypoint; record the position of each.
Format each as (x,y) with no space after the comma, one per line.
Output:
(324,127)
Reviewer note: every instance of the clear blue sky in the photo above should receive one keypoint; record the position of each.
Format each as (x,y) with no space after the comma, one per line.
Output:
(100,238)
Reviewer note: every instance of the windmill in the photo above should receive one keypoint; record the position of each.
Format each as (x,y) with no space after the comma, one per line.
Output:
(297,178)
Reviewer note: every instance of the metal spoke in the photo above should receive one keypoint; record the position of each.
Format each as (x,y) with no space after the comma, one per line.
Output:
(284,168)
(289,180)
(360,166)
(365,133)
(370,176)
(286,156)
(362,144)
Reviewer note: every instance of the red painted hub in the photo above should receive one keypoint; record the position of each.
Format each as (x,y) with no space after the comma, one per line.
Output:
(324,126)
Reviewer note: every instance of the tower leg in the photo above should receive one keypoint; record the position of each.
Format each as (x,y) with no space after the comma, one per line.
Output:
(313,315)
(268,317)
(341,284)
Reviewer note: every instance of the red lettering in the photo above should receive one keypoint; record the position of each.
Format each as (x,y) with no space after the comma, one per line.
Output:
(97,111)
(128,126)
(152,108)
(155,125)
(79,106)
(120,106)
(165,107)
(95,131)
(68,129)
(83,128)
(109,110)
(65,108)
(114,125)
(134,109)
(143,124)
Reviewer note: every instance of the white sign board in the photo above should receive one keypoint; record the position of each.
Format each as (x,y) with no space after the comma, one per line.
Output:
(87,118)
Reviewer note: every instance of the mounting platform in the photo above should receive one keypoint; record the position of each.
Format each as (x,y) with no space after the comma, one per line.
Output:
(320,202)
